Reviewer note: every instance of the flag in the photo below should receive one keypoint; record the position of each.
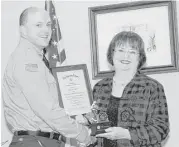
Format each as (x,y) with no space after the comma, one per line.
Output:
(55,51)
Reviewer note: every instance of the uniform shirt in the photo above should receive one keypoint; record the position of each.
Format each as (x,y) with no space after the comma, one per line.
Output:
(30,96)
(142,110)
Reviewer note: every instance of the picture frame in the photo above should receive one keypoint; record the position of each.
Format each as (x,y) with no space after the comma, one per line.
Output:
(154,21)
(74,88)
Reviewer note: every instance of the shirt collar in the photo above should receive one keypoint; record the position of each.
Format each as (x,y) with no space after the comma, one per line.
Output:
(31,47)
(135,78)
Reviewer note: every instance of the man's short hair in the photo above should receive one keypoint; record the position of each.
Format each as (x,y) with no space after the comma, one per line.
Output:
(24,15)
(127,37)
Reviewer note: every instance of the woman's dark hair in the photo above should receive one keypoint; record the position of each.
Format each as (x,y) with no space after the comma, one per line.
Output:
(132,39)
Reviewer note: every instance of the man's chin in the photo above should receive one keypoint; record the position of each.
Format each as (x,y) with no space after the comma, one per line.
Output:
(44,45)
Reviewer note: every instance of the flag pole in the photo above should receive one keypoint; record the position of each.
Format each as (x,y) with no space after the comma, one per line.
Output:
(48,5)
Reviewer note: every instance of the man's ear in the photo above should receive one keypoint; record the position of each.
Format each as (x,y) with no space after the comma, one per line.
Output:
(23,31)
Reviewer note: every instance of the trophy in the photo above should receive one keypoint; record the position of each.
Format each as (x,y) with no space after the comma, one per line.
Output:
(100,120)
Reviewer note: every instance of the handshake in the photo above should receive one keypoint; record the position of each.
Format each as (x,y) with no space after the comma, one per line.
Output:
(99,126)
(96,121)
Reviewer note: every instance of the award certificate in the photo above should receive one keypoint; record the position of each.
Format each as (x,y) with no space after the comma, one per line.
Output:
(74,88)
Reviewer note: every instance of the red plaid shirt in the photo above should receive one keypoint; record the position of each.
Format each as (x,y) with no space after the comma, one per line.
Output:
(142,110)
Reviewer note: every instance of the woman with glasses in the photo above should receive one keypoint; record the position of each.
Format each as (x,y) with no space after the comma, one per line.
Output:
(135,103)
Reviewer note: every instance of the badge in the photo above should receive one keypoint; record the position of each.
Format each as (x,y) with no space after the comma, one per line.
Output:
(31,67)
(103,116)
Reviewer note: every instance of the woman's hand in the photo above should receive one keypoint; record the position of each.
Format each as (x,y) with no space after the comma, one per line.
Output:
(81,119)
(114,133)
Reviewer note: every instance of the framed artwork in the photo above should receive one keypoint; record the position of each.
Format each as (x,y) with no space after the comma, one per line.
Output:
(74,88)
(154,21)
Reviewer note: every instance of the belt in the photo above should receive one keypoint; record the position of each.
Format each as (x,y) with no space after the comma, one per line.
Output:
(51,135)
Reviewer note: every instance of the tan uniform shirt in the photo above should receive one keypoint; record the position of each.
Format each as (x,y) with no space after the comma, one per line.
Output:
(30,96)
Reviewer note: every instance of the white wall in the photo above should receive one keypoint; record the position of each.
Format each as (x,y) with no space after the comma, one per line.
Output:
(74,24)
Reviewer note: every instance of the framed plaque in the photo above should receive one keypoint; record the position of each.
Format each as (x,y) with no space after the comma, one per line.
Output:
(154,21)
(74,88)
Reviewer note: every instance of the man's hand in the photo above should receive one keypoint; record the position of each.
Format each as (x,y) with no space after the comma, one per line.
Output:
(91,140)
(114,133)
(81,119)
(90,143)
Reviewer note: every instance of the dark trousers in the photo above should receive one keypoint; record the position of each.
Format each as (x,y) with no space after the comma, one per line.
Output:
(35,141)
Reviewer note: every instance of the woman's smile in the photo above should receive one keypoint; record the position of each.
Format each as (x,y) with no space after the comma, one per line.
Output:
(125,61)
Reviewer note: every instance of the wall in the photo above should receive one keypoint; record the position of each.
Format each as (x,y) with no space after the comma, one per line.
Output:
(74,24)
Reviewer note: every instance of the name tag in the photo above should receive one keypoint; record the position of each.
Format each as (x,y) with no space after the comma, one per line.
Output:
(31,67)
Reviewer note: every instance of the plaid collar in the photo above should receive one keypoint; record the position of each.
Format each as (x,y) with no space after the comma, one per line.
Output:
(138,79)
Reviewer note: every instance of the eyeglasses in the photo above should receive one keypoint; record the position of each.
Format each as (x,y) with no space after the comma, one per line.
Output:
(130,52)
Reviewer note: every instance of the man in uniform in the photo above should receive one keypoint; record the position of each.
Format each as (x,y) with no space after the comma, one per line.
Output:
(29,90)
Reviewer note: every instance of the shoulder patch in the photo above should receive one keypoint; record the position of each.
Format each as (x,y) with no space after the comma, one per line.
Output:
(31,67)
